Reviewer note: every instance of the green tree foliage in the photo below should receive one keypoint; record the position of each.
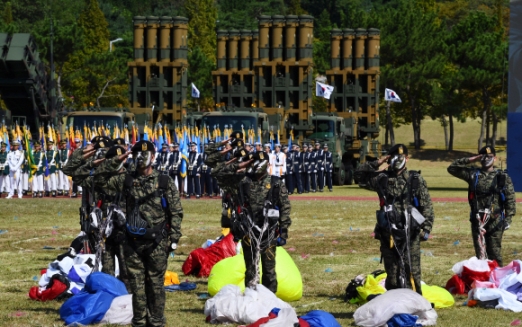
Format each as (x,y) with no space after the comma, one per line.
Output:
(202,15)
(200,73)
(91,73)
(410,48)
(321,43)
(480,51)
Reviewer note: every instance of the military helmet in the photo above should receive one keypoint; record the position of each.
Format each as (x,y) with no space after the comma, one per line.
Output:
(398,149)
(143,146)
(115,150)
(119,141)
(488,150)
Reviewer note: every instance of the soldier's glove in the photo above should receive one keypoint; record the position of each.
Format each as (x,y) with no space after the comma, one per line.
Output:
(425,236)
(283,233)
(281,241)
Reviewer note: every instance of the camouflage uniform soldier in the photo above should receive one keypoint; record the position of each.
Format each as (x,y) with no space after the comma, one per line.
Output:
(226,178)
(261,197)
(491,199)
(154,216)
(405,202)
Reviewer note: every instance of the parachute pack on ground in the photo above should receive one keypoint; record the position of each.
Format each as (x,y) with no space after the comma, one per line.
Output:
(232,271)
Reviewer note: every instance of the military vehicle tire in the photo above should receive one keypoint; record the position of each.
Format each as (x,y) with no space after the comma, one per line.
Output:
(348,179)
(338,175)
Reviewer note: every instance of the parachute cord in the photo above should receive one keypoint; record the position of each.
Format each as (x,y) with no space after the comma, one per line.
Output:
(482,221)
(260,240)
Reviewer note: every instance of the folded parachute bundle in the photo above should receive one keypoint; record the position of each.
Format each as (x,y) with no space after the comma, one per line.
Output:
(69,273)
(231,271)
(468,273)
(383,309)
(92,304)
(503,289)
(231,305)
(201,261)
(364,288)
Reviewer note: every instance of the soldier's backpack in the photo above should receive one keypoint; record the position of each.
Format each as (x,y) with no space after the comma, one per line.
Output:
(136,225)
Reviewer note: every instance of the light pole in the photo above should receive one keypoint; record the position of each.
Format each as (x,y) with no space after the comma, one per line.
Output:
(113,41)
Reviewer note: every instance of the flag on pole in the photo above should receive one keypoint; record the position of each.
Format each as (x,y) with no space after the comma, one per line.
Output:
(195,91)
(323,90)
(390,95)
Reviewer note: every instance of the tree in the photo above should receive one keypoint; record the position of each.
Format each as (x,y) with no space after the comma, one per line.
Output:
(410,52)
(90,71)
(321,43)
(200,73)
(202,15)
(480,51)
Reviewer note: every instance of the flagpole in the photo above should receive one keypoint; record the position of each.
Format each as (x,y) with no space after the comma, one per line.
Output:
(390,123)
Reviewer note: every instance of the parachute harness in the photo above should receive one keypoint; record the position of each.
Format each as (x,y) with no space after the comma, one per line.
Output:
(258,235)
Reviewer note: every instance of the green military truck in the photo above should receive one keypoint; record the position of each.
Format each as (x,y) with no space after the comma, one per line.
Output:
(237,119)
(98,117)
(348,142)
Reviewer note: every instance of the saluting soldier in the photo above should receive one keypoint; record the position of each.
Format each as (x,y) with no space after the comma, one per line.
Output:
(154,216)
(260,192)
(4,170)
(38,178)
(328,166)
(194,172)
(492,202)
(63,180)
(405,216)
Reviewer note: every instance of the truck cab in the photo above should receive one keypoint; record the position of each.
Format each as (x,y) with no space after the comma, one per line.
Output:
(102,116)
(237,119)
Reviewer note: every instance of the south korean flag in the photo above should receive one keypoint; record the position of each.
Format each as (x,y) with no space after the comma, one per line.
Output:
(390,95)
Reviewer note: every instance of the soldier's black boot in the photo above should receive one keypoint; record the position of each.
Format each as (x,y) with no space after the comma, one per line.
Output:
(24,192)
(74,195)
(66,193)
(40,194)
(53,193)
(59,193)
(34,194)
(47,193)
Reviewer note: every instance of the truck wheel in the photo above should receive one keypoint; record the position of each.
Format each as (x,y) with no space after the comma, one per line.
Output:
(348,180)
(338,175)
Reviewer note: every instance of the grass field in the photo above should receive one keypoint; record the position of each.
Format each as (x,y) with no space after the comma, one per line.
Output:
(334,234)
(330,234)
(466,134)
